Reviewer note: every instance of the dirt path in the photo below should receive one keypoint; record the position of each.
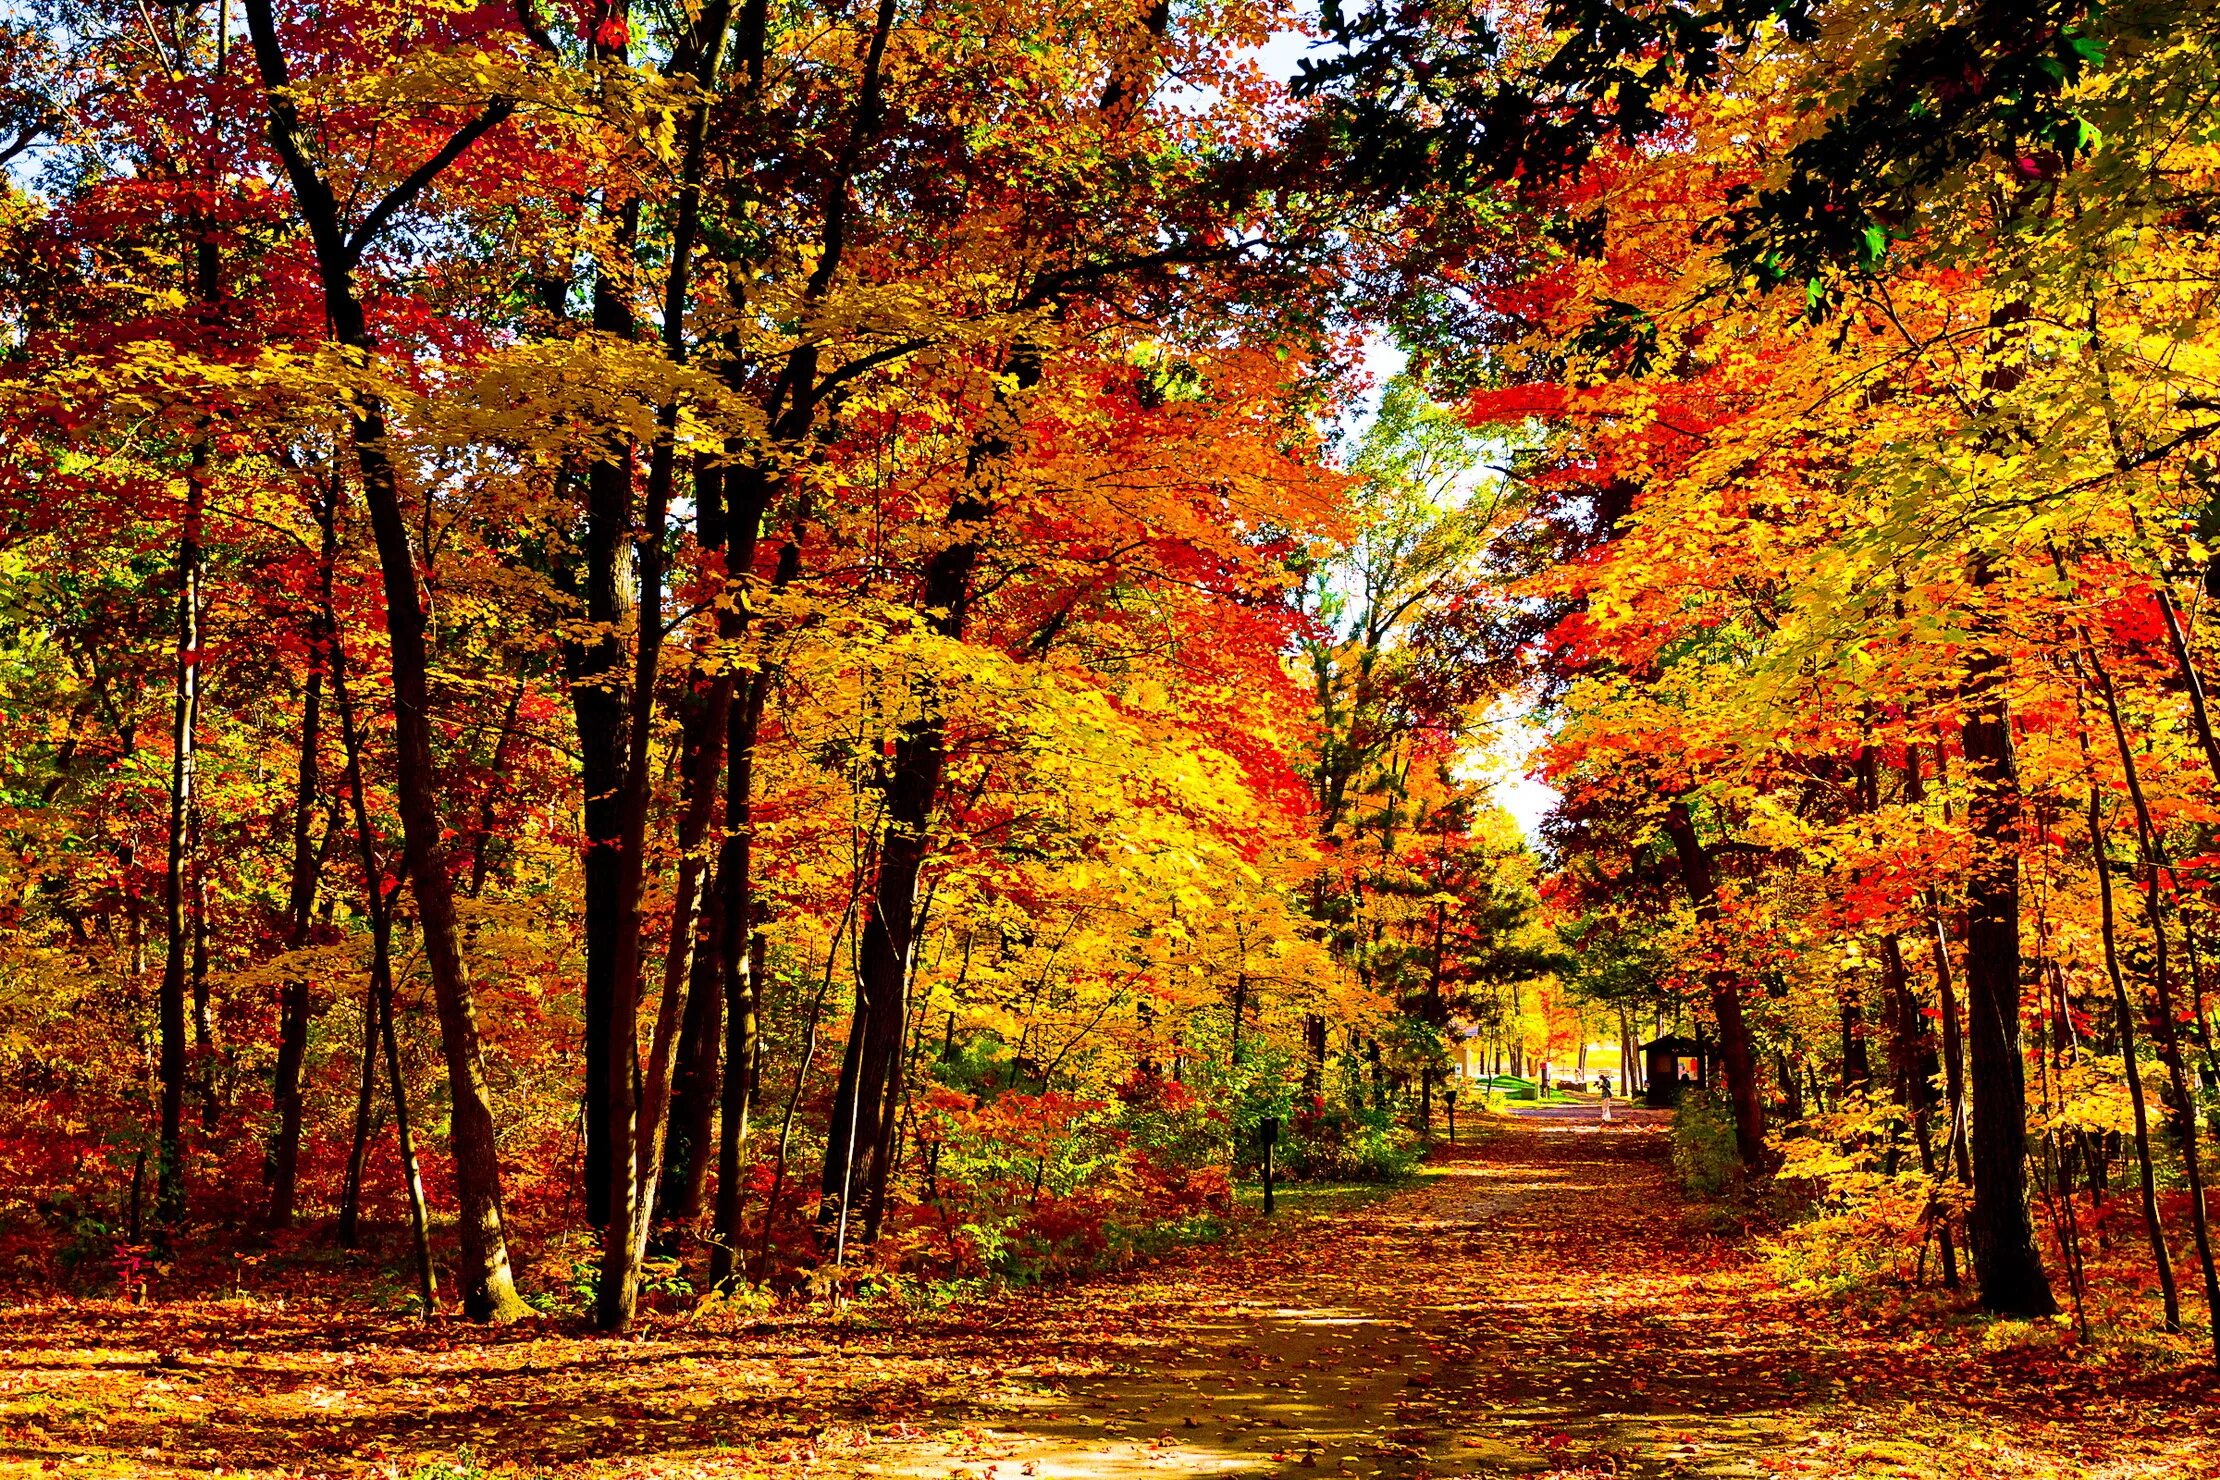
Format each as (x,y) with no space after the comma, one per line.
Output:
(1535,1305)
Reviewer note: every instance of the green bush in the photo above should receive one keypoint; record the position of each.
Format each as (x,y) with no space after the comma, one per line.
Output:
(1704,1154)
(1347,1143)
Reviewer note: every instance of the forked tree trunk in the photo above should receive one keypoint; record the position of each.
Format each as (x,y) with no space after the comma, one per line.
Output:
(1913,1067)
(637,1105)
(379,1030)
(2123,1011)
(488,1283)
(2167,1018)
(691,954)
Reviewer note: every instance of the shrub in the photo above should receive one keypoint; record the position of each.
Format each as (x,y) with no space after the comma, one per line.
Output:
(1027,1187)
(1347,1143)
(1704,1153)
(1866,1203)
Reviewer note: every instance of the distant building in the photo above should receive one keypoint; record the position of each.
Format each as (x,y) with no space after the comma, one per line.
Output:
(1671,1065)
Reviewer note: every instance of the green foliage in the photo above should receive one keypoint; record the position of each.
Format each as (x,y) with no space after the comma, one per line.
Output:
(464,1466)
(1704,1154)
(1348,1143)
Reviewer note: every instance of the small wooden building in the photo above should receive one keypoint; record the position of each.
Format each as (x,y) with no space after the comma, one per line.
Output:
(1670,1065)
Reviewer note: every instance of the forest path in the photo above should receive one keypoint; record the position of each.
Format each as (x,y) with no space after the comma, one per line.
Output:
(1539,1302)
(1536,1304)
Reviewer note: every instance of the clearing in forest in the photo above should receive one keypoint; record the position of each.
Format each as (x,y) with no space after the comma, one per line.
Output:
(1537,1304)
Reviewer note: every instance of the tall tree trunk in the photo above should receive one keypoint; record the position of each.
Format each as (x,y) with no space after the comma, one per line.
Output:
(691,956)
(204,1010)
(169,1195)
(488,1283)
(1735,1050)
(2006,1265)
(379,1031)
(870,1084)
(2123,1011)
(871,1069)
(348,1230)
(596,665)
(637,1110)
(2167,1018)
(739,954)
(293,1000)
(689,1149)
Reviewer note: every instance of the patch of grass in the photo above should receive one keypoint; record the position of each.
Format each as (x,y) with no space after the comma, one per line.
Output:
(1312,1198)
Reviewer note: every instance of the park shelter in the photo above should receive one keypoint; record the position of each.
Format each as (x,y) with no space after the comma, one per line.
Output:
(1670,1065)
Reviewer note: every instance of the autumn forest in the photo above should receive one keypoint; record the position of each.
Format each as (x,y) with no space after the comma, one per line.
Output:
(1109,737)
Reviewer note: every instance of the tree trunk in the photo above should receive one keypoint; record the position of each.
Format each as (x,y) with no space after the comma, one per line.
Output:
(293,1010)
(596,667)
(1735,1050)
(1857,1064)
(2167,1018)
(169,1195)
(2123,1012)
(348,1231)
(488,1284)
(1913,1067)
(379,1031)
(694,1077)
(740,950)
(2006,1266)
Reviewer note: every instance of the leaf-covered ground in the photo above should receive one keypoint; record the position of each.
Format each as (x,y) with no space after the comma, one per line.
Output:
(1537,1304)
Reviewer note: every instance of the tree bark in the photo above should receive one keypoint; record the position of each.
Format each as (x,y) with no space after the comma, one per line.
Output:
(2006,1265)
(2123,1012)
(1913,1067)
(293,1001)
(379,1030)
(488,1284)
(596,666)
(1735,1050)
(169,1195)
(2167,1018)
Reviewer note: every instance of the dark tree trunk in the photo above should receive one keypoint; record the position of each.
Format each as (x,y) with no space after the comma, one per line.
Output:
(1857,1064)
(871,1069)
(2006,1266)
(637,1108)
(1735,1050)
(2124,1020)
(488,1284)
(169,1182)
(689,1149)
(1913,1066)
(379,1032)
(596,664)
(2167,1018)
(293,1000)
(348,1230)
(740,950)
